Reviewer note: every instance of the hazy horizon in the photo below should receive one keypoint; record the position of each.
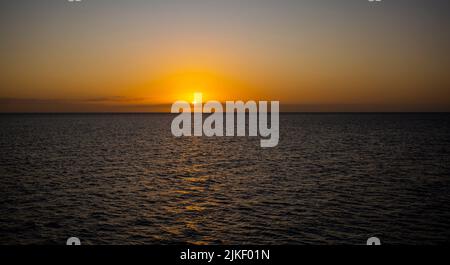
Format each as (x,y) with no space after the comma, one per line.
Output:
(55,106)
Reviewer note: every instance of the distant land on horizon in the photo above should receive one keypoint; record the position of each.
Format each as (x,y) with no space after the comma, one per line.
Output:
(55,106)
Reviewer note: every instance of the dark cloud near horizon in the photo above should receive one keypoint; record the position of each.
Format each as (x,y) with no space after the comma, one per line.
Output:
(29,105)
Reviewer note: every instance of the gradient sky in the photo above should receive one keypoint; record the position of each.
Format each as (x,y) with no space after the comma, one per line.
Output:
(136,55)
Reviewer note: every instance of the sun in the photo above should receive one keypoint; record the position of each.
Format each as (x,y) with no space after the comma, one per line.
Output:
(185,84)
(198,98)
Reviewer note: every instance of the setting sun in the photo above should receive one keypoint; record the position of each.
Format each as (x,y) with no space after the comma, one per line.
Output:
(198,98)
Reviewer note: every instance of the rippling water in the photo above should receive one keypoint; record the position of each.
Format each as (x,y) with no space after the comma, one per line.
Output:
(123,179)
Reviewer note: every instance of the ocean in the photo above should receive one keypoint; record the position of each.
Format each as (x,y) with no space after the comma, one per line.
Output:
(124,179)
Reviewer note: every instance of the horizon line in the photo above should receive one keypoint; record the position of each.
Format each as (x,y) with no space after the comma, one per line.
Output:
(281,112)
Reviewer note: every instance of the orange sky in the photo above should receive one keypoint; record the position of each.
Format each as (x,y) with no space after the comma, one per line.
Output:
(144,55)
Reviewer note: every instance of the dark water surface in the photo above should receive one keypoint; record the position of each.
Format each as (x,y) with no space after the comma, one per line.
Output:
(123,179)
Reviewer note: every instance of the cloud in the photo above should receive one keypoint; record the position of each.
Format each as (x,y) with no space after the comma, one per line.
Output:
(114,99)
(104,104)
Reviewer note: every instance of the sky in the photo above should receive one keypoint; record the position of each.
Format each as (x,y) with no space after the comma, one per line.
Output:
(138,56)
